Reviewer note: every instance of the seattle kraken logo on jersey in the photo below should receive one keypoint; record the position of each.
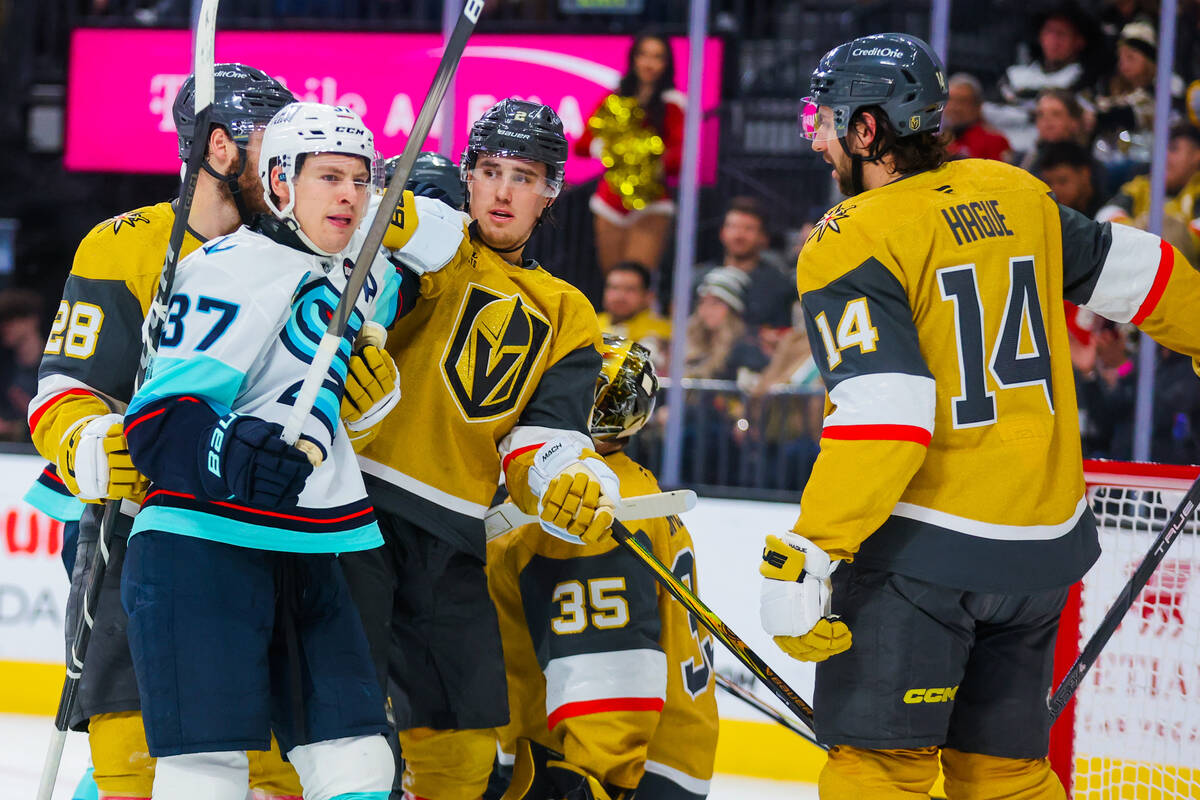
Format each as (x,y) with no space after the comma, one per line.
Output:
(312,308)
(497,340)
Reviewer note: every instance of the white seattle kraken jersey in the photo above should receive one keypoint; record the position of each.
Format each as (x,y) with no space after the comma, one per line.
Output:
(244,321)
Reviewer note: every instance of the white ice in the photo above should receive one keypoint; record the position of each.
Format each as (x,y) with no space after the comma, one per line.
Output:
(23,741)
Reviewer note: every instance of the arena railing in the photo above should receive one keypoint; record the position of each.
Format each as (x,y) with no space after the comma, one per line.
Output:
(739,444)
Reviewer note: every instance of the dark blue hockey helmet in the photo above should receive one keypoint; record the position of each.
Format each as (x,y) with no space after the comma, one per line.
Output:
(899,73)
(244,98)
(520,129)
(433,175)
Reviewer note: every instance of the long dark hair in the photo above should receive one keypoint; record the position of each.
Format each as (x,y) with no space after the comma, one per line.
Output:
(656,109)
(910,154)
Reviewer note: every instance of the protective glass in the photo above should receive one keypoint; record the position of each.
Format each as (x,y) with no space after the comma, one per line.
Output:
(822,123)
(517,176)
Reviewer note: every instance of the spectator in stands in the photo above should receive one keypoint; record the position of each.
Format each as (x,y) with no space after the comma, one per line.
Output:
(1125,104)
(963,117)
(1104,386)
(625,233)
(1064,36)
(1060,117)
(770,289)
(717,344)
(1067,39)
(1068,170)
(627,311)
(1131,206)
(22,341)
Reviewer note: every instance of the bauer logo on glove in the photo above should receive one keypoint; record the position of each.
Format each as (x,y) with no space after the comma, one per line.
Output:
(795,599)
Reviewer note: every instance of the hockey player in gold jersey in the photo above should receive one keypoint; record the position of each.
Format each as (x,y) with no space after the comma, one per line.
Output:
(498,359)
(949,493)
(603,666)
(86,380)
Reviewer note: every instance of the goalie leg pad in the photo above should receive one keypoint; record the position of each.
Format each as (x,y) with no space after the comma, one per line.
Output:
(851,773)
(121,758)
(357,767)
(447,765)
(972,776)
(202,776)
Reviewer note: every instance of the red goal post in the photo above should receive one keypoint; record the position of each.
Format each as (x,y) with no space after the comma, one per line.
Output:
(1133,729)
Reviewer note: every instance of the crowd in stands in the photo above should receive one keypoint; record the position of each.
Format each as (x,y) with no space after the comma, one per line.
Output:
(1076,108)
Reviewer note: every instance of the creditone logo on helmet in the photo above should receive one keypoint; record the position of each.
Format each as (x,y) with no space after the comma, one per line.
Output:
(497,340)
(878,52)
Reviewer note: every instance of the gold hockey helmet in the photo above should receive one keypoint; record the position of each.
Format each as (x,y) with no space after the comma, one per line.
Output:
(625,390)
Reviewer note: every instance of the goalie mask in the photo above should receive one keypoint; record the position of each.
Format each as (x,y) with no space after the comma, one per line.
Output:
(302,129)
(625,390)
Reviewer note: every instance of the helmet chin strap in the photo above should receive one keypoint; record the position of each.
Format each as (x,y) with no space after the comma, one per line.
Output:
(232,182)
(307,241)
(856,164)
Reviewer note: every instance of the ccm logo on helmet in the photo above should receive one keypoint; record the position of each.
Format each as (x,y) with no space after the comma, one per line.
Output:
(352,131)
(883,52)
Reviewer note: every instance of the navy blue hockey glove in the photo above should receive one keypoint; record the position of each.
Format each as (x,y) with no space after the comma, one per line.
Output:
(244,457)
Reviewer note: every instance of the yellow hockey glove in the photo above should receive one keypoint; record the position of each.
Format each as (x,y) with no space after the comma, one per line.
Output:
(795,599)
(575,490)
(94,463)
(575,501)
(372,388)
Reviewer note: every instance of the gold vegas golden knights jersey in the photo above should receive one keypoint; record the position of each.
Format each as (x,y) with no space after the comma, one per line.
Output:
(91,356)
(494,360)
(602,664)
(950,450)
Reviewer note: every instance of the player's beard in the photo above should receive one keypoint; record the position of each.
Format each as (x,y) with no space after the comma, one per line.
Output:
(249,186)
(845,180)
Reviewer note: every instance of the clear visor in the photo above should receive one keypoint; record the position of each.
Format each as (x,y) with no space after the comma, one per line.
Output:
(242,129)
(822,123)
(519,174)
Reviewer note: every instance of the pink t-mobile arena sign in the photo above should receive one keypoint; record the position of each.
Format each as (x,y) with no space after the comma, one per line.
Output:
(122,84)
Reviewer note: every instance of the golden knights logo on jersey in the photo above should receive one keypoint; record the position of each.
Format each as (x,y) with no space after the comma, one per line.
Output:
(497,340)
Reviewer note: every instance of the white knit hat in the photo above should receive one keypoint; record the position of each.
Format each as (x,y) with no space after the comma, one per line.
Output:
(727,284)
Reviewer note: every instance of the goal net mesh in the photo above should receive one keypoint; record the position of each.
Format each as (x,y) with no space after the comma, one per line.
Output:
(1136,721)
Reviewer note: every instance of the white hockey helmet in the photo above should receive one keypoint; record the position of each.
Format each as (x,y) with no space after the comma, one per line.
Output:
(303,128)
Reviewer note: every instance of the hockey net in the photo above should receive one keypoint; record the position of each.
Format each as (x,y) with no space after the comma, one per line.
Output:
(1133,730)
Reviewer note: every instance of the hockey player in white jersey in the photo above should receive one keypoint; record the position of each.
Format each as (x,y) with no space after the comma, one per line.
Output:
(240,622)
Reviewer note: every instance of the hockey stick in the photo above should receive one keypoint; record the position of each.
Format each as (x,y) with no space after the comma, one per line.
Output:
(332,340)
(705,616)
(504,517)
(202,68)
(1133,587)
(755,702)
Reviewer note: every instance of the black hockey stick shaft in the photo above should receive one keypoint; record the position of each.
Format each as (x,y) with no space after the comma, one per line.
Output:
(706,617)
(748,697)
(1133,587)
(332,339)
(202,69)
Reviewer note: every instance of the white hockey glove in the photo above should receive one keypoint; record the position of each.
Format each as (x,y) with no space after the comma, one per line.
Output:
(94,461)
(794,604)
(424,233)
(576,491)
